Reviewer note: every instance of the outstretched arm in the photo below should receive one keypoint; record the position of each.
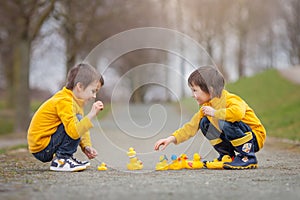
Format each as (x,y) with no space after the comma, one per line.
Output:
(164,142)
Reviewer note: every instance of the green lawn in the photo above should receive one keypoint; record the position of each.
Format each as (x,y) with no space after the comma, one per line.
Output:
(275,100)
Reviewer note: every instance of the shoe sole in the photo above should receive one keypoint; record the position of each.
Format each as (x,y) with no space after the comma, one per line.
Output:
(64,170)
(251,166)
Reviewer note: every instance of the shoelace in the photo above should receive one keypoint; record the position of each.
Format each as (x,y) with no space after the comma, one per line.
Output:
(78,161)
(71,163)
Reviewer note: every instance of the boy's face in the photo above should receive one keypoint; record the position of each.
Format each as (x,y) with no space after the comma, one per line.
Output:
(89,93)
(200,96)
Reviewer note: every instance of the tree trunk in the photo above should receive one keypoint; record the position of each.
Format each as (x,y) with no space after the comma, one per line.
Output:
(179,20)
(21,83)
(223,58)
(271,45)
(9,77)
(241,54)
(70,52)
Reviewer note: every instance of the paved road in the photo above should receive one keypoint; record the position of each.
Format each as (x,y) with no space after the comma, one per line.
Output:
(140,126)
(292,74)
(278,175)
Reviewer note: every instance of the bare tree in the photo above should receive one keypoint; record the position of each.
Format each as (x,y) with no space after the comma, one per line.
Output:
(76,18)
(127,15)
(292,20)
(209,20)
(6,59)
(27,18)
(241,26)
(84,24)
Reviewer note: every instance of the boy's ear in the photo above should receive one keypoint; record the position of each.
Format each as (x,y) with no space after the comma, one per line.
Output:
(79,86)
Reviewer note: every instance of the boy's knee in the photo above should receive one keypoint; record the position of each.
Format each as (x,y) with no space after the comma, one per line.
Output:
(231,130)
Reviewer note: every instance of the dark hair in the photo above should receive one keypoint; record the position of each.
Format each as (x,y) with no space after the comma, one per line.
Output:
(83,73)
(209,79)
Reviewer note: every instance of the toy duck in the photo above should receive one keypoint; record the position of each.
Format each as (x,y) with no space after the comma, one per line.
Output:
(197,164)
(131,152)
(162,164)
(134,162)
(218,164)
(102,167)
(185,163)
(175,165)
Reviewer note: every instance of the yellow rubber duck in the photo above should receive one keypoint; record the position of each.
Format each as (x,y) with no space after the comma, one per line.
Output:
(162,164)
(175,165)
(131,152)
(197,164)
(102,167)
(216,164)
(134,162)
(185,163)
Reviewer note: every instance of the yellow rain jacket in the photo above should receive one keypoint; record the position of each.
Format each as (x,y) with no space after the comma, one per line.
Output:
(229,107)
(60,108)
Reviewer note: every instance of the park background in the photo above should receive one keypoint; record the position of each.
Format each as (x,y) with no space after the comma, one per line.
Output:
(254,43)
(250,42)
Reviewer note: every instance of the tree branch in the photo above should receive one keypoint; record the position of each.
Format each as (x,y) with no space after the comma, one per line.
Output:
(41,20)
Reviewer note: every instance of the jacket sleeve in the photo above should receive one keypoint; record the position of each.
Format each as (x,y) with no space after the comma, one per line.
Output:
(189,129)
(74,128)
(85,140)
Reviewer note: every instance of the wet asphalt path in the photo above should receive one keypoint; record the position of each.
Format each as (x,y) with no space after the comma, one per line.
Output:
(278,175)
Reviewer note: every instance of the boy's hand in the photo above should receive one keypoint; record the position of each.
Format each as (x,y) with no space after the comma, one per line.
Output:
(164,142)
(90,152)
(208,111)
(96,108)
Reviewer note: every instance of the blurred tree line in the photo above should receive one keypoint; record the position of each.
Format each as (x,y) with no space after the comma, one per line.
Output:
(238,34)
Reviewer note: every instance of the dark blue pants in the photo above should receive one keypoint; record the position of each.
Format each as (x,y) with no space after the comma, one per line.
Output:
(61,144)
(230,132)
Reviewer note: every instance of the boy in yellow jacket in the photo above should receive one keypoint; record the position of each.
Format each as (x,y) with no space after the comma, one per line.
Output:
(225,119)
(59,126)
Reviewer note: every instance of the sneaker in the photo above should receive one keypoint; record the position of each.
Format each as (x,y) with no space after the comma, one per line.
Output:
(218,163)
(86,163)
(242,162)
(66,165)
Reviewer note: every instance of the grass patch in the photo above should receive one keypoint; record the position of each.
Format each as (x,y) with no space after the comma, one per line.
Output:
(275,101)
(6,125)
(34,105)
(7,117)
(16,147)
(6,120)
(2,105)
